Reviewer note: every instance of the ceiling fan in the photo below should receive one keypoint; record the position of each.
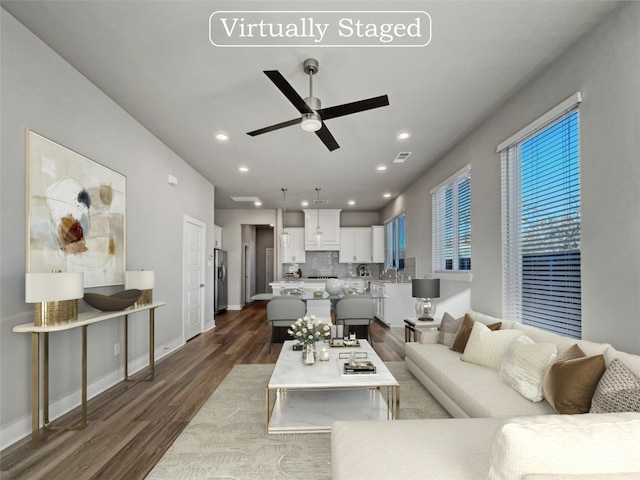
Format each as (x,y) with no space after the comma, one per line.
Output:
(313,116)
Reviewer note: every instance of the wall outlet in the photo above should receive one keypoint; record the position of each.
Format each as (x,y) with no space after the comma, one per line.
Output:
(116,349)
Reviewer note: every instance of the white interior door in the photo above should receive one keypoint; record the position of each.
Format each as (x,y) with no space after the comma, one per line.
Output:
(194,236)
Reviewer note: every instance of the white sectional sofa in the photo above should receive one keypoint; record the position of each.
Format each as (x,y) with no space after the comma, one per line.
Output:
(497,432)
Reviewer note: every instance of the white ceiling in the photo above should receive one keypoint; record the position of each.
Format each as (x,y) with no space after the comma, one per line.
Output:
(155,60)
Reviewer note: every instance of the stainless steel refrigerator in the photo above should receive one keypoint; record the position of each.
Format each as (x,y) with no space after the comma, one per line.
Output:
(220,289)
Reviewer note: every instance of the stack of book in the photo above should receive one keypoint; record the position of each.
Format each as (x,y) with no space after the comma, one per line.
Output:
(359,367)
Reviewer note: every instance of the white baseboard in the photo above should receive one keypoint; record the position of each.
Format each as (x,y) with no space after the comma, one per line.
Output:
(21,428)
(209,326)
(234,307)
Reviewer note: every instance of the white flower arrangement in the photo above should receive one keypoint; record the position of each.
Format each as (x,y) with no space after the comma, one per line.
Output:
(309,330)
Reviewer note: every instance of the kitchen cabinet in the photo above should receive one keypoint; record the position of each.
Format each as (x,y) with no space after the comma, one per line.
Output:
(378,289)
(397,305)
(329,220)
(217,236)
(356,285)
(295,253)
(377,244)
(355,245)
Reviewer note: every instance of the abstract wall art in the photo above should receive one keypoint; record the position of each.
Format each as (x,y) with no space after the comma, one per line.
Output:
(75,214)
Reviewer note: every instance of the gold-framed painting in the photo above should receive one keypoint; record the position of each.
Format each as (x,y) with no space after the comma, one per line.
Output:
(75,214)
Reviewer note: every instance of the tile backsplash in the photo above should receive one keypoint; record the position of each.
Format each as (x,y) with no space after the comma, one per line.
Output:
(326,264)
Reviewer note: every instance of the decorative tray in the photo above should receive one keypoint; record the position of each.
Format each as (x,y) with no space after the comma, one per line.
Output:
(339,342)
(358,367)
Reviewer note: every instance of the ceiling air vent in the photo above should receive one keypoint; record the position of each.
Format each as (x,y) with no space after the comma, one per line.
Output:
(320,202)
(401,157)
(245,199)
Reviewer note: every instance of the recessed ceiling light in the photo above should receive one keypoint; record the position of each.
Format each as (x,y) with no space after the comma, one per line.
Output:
(351,202)
(381,168)
(403,135)
(222,137)
(257,203)
(305,203)
(386,195)
(243,169)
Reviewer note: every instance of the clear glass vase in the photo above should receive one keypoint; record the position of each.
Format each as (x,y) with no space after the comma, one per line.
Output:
(309,355)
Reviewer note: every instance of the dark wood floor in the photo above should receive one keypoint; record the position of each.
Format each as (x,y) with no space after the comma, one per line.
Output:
(126,438)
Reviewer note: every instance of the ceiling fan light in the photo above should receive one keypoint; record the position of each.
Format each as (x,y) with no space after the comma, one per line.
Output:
(311,122)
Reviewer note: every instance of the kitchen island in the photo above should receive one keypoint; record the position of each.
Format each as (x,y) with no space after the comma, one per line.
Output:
(320,306)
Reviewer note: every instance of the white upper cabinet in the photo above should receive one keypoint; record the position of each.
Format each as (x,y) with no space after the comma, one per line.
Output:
(217,236)
(355,245)
(295,253)
(329,225)
(377,244)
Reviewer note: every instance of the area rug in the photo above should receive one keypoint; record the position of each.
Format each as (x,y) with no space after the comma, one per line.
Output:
(227,438)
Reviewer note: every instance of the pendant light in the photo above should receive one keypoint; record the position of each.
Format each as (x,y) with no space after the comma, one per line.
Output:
(285,238)
(317,237)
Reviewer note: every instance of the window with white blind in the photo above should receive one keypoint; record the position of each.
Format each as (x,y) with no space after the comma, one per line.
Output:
(541,224)
(451,223)
(395,244)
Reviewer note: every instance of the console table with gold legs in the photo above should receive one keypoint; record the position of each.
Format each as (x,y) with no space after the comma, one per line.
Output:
(41,334)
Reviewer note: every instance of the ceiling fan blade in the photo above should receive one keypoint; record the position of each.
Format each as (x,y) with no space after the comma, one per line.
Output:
(288,91)
(277,126)
(325,135)
(353,107)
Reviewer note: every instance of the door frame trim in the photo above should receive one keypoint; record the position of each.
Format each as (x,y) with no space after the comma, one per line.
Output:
(186,219)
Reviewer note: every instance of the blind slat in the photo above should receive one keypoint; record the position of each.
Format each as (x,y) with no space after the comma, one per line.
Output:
(451,223)
(541,228)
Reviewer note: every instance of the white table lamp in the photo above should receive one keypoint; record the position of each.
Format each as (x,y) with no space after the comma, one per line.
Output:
(141,280)
(55,296)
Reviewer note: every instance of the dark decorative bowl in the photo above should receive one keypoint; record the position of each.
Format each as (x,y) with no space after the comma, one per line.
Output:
(111,303)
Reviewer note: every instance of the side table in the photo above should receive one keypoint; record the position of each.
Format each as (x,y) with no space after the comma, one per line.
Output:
(412,324)
(40,367)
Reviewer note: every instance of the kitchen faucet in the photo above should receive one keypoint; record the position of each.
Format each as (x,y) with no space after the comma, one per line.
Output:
(395,270)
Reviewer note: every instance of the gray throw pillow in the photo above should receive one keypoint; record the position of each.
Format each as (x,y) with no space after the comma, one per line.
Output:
(617,391)
(448,329)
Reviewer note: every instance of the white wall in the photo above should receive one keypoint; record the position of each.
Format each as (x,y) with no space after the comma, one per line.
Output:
(42,92)
(605,67)
(232,222)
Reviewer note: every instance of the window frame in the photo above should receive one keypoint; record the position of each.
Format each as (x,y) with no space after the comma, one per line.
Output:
(516,288)
(444,219)
(395,253)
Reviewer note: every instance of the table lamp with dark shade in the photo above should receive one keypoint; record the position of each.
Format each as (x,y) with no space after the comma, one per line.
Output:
(424,290)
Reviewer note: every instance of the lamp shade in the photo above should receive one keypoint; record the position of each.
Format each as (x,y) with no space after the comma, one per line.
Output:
(139,279)
(53,287)
(425,287)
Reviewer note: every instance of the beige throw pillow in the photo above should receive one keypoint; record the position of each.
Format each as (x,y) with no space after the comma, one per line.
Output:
(524,365)
(571,381)
(448,329)
(591,444)
(462,335)
(486,347)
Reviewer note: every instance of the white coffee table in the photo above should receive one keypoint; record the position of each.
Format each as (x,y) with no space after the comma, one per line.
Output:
(309,398)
